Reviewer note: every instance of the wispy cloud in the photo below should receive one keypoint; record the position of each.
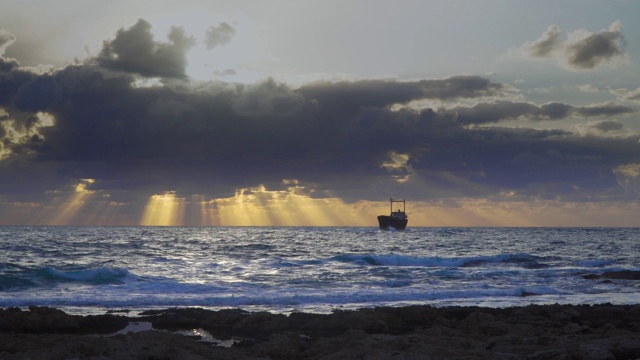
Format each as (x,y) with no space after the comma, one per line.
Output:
(219,35)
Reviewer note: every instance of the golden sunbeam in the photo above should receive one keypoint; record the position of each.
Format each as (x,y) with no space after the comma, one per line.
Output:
(262,207)
(164,210)
(339,213)
(198,208)
(106,212)
(295,204)
(67,212)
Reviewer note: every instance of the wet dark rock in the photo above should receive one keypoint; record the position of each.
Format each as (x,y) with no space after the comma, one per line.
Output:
(533,332)
(49,320)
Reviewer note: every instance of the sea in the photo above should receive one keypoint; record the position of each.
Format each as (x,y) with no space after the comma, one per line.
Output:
(92,270)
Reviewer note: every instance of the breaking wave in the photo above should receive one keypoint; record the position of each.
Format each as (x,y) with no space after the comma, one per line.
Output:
(100,275)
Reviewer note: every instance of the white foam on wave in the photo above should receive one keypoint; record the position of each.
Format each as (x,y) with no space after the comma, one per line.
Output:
(278,298)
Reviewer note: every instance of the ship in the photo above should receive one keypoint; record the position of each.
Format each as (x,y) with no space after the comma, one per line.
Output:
(397,219)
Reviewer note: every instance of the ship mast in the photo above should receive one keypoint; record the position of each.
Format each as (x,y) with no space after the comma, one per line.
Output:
(392,200)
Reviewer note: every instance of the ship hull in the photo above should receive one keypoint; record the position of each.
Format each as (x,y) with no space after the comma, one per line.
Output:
(387,222)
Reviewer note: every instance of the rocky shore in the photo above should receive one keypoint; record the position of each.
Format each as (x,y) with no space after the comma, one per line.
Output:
(413,332)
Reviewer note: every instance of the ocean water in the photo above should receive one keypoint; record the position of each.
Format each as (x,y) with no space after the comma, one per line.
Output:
(94,269)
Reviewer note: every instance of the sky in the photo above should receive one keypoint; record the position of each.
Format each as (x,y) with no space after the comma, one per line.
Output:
(315,113)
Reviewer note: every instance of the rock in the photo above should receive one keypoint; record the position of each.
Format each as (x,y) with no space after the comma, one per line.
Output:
(588,351)
(38,320)
(286,345)
(574,328)
(417,332)
(551,354)
(627,348)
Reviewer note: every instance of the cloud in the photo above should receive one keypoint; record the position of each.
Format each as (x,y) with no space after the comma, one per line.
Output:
(632,95)
(266,131)
(545,44)
(398,164)
(380,93)
(267,98)
(605,125)
(226,72)
(581,49)
(610,108)
(38,94)
(498,111)
(588,88)
(6,39)
(133,50)
(6,64)
(349,139)
(219,35)
(586,50)
(344,137)
(628,176)
(11,82)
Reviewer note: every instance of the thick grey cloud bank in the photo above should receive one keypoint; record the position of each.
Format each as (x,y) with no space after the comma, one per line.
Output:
(210,138)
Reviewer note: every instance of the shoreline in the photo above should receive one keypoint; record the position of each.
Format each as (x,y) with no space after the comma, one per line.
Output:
(555,331)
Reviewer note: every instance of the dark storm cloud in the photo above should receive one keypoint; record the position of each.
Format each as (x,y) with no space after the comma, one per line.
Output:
(380,93)
(214,137)
(219,35)
(267,98)
(38,94)
(217,132)
(7,65)
(134,50)
(582,50)
(211,138)
(11,82)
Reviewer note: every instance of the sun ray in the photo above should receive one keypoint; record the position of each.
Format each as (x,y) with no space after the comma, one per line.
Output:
(260,206)
(164,210)
(66,215)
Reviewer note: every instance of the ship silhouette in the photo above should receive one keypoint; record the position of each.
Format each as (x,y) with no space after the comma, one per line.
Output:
(397,219)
